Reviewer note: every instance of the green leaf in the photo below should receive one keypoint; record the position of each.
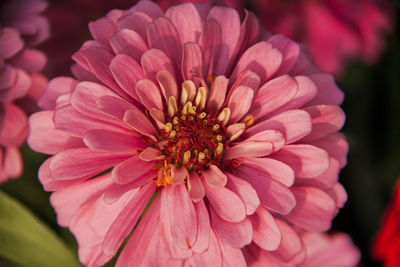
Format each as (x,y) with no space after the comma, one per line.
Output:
(26,241)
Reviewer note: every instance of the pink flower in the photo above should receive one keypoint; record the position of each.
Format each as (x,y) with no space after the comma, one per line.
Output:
(335,30)
(21,84)
(233,132)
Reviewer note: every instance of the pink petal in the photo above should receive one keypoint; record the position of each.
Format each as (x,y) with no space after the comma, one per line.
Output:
(116,191)
(273,195)
(328,92)
(12,162)
(232,257)
(56,87)
(47,180)
(249,31)
(127,72)
(245,191)
(289,49)
(163,35)
(150,154)
(132,254)
(155,60)
(44,138)
(13,125)
(291,245)
(10,42)
(229,22)
(192,61)
(217,93)
(114,106)
(293,124)
(181,214)
(136,21)
(149,8)
(326,119)
(326,179)
(138,121)
(314,209)
(7,76)
(307,161)
(130,43)
(195,187)
(236,235)
(260,144)
(239,102)
(104,28)
(66,118)
(149,94)
(226,203)
(90,231)
(127,219)
(262,59)
(272,168)
(211,257)
(306,90)
(265,231)
(339,195)
(167,84)
(113,141)
(273,95)
(31,60)
(210,41)
(179,176)
(214,177)
(187,21)
(71,198)
(19,88)
(336,146)
(203,228)
(97,61)
(84,98)
(83,162)
(246,78)
(130,170)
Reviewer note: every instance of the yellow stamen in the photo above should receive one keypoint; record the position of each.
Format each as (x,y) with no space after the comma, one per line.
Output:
(248,120)
(186,157)
(186,108)
(175,121)
(201,156)
(224,115)
(219,138)
(202,115)
(168,127)
(219,149)
(216,127)
(172,134)
(192,110)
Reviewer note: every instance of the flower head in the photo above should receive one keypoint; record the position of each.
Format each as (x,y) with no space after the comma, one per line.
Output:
(21,84)
(232,131)
(336,31)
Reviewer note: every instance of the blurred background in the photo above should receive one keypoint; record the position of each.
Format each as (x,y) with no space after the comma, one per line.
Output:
(372,107)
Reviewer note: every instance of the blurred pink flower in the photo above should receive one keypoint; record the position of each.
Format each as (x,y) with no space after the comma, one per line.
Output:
(334,30)
(21,84)
(233,132)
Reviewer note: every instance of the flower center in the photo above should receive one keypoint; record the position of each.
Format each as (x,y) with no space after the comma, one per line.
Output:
(192,139)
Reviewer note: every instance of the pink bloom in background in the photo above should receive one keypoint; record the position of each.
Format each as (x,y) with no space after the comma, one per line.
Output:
(21,84)
(234,133)
(336,31)
(330,250)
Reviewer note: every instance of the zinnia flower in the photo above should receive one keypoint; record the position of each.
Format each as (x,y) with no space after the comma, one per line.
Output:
(230,131)
(386,246)
(21,84)
(336,31)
